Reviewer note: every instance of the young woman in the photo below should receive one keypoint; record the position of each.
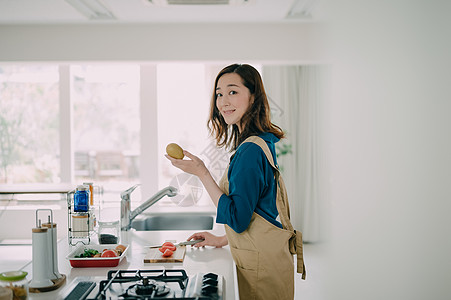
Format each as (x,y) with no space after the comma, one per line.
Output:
(251,194)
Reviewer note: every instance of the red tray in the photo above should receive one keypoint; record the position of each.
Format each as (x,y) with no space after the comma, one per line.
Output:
(91,262)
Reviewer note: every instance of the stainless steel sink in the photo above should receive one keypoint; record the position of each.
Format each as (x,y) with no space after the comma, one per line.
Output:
(174,222)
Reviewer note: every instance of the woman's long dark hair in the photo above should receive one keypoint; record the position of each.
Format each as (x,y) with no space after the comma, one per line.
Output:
(255,121)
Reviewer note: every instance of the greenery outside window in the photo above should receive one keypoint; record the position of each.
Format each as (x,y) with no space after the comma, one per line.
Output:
(29,124)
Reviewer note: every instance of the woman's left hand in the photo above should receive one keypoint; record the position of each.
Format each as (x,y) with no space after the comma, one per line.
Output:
(194,165)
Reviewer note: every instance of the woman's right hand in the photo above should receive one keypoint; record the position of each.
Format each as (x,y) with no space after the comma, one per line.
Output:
(209,239)
(193,165)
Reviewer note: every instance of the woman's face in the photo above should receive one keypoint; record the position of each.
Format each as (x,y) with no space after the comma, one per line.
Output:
(232,98)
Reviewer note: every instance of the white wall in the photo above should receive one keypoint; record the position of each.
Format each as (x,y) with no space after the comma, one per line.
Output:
(390,150)
(289,42)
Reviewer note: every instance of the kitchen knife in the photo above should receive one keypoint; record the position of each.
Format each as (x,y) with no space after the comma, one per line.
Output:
(186,243)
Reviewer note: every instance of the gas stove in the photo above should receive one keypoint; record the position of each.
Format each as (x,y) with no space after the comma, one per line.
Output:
(150,284)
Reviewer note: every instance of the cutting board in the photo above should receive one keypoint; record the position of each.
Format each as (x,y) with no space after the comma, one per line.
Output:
(155,256)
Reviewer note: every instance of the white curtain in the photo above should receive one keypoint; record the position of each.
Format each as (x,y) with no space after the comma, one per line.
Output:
(296,94)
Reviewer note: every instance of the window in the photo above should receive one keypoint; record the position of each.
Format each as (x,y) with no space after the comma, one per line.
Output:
(106,138)
(184,95)
(106,126)
(29,124)
(183,107)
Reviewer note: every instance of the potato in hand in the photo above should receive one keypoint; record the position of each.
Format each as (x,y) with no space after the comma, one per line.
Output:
(175,151)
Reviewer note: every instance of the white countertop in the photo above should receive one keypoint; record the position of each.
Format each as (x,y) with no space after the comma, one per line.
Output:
(208,259)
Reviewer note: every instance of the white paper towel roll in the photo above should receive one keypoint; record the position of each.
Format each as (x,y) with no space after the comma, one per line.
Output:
(52,253)
(41,263)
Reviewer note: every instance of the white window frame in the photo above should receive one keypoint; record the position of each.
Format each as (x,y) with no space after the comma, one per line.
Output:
(66,125)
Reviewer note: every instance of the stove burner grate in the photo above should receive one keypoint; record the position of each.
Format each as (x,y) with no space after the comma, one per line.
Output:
(150,284)
(159,284)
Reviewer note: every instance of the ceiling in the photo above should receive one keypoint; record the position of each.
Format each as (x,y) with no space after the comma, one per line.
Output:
(156,11)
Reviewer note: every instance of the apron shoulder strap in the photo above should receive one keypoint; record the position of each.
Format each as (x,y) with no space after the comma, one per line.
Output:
(261,142)
(283,208)
(282,197)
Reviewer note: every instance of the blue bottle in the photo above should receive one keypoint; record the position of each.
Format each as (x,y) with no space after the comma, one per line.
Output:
(81,199)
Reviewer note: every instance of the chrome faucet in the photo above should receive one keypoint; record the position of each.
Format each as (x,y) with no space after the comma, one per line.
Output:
(127,215)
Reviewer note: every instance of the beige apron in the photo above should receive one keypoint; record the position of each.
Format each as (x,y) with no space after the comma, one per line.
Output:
(263,252)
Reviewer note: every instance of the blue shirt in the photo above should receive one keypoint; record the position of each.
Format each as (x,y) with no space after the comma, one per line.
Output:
(252,187)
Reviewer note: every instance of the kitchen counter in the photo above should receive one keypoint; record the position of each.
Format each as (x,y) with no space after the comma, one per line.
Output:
(208,259)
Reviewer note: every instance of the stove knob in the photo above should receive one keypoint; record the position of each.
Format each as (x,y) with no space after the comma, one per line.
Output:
(211,275)
(209,289)
(210,281)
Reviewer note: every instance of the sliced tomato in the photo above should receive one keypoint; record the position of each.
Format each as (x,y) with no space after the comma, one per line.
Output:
(169,245)
(162,249)
(109,253)
(167,253)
